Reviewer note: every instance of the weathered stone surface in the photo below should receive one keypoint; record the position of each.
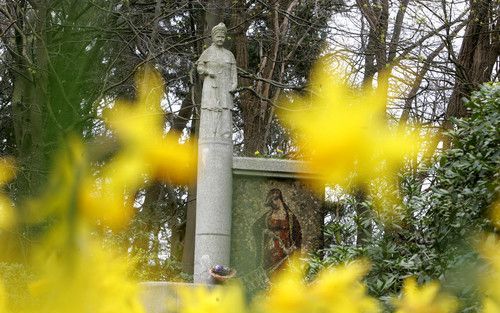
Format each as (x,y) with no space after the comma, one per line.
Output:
(281,168)
(218,68)
(155,296)
(163,296)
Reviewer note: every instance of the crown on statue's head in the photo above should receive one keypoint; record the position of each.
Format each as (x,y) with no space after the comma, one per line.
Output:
(219,28)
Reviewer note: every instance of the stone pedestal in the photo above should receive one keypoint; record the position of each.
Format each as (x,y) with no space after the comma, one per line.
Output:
(213,206)
(162,296)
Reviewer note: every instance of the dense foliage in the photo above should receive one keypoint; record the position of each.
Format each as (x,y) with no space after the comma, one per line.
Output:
(445,211)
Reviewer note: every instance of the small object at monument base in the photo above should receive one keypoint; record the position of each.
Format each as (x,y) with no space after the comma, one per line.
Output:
(221,274)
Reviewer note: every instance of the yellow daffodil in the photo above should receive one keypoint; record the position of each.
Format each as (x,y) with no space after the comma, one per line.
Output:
(145,154)
(490,306)
(73,271)
(107,194)
(7,173)
(336,290)
(344,134)
(7,215)
(7,170)
(489,250)
(139,126)
(495,214)
(288,293)
(109,197)
(107,203)
(62,186)
(340,289)
(3,299)
(220,299)
(424,299)
(89,278)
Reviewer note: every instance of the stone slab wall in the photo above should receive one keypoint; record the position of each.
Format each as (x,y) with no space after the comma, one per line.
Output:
(161,296)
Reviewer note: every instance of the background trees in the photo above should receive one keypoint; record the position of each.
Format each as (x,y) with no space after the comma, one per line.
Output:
(64,61)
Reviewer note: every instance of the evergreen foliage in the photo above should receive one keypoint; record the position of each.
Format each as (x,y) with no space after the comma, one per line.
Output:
(446,212)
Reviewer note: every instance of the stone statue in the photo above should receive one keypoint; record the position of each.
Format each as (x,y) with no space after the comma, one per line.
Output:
(218,67)
(215,158)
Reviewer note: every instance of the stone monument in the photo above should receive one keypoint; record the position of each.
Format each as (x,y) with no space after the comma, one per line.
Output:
(252,214)
(217,66)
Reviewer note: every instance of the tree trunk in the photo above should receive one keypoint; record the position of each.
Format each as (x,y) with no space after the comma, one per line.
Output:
(477,56)
(29,100)
(377,16)
(252,128)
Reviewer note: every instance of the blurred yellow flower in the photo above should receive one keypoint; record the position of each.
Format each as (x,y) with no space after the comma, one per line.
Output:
(58,199)
(288,292)
(7,173)
(109,197)
(7,215)
(3,300)
(336,290)
(7,170)
(490,306)
(107,194)
(139,126)
(340,289)
(489,250)
(344,134)
(495,213)
(145,154)
(108,204)
(425,299)
(74,271)
(83,278)
(220,299)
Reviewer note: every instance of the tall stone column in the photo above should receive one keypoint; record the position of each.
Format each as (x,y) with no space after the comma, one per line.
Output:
(213,207)
(215,157)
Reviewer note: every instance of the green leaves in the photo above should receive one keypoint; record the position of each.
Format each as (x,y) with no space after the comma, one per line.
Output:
(445,211)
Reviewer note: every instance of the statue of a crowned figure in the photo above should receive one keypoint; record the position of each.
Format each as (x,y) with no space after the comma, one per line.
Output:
(215,158)
(218,67)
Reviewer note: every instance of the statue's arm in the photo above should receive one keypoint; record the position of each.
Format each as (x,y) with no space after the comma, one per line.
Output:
(203,70)
(201,65)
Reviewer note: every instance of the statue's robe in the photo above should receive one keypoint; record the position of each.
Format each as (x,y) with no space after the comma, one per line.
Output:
(216,99)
